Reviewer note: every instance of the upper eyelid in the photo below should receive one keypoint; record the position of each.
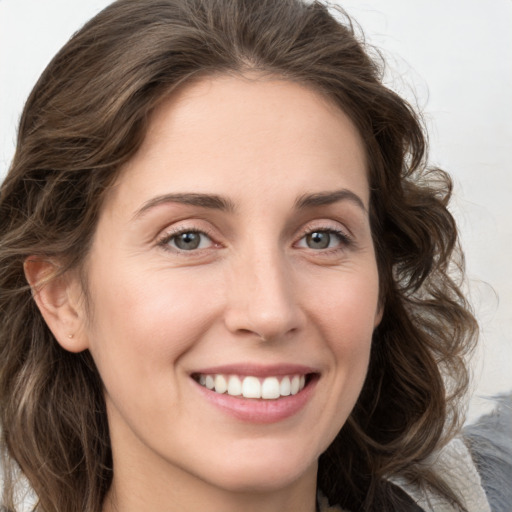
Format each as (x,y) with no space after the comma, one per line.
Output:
(198,225)
(169,233)
(345,238)
(324,225)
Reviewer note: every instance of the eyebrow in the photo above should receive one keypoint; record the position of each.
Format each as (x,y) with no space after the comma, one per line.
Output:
(216,202)
(210,201)
(327,198)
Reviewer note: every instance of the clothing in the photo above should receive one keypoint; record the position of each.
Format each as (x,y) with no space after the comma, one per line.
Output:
(323,505)
(456,466)
(490,443)
(477,466)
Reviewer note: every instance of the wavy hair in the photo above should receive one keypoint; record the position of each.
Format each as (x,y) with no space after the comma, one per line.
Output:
(88,114)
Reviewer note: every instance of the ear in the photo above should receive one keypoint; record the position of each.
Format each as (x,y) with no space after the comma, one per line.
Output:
(60,300)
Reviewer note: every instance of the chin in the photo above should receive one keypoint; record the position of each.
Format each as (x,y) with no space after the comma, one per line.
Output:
(256,481)
(260,473)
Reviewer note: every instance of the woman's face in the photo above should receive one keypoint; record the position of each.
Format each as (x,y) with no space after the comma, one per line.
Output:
(234,250)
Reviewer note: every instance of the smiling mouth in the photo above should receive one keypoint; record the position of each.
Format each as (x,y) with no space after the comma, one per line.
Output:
(268,388)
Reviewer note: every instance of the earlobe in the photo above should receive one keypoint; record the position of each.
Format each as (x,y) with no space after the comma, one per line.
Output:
(59,299)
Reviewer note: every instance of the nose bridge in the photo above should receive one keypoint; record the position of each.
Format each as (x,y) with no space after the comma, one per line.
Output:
(261,295)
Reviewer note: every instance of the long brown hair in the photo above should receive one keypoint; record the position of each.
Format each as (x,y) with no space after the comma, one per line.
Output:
(87,115)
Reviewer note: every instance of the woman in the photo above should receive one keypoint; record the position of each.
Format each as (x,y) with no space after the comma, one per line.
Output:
(228,276)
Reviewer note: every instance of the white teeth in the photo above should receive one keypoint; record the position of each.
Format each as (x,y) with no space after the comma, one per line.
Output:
(269,388)
(234,386)
(251,388)
(295,385)
(285,389)
(221,386)
(210,382)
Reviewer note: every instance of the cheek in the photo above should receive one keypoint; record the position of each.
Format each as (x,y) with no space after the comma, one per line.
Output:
(143,324)
(346,312)
(346,308)
(146,320)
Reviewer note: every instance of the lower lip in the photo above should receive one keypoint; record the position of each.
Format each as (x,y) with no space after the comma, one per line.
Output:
(259,410)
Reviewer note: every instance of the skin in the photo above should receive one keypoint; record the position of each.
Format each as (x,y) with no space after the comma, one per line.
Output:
(254,291)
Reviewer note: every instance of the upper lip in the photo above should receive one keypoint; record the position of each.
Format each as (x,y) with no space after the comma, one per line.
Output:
(257,370)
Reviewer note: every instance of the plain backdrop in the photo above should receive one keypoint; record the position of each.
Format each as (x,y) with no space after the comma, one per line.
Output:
(452,59)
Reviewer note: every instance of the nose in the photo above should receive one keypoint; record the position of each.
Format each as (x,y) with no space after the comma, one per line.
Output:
(261,299)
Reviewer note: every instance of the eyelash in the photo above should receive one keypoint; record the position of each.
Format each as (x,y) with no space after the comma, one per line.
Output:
(345,240)
(174,234)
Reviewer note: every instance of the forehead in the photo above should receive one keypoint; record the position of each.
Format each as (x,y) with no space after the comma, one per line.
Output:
(254,132)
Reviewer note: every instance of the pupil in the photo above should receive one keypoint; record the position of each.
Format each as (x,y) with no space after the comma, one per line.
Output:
(318,240)
(188,241)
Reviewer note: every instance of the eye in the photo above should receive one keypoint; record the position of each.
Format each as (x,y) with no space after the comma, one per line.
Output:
(187,240)
(320,239)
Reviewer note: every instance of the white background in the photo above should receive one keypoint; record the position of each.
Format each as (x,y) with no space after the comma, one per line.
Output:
(452,58)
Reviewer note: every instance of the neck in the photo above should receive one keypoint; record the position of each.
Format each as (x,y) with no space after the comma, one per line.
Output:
(184,493)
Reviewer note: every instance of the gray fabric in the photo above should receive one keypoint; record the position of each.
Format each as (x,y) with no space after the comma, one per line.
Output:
(490,443)
(455,465)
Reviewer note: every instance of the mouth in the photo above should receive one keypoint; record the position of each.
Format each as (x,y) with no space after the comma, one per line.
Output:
(271,387)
